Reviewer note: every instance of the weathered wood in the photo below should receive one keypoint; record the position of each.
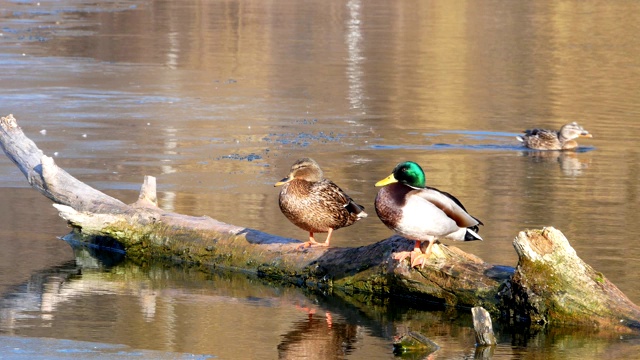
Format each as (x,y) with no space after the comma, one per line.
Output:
(46,177)
(483,327)
(451,276)
(552,284)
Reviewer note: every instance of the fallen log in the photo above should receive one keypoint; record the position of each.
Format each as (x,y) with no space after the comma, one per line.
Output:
(537,290)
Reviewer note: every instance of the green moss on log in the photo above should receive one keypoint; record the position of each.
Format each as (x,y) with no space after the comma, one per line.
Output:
(370,280)
(159,241)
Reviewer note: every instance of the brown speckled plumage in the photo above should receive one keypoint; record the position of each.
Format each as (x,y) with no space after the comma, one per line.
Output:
(316,204)
(543,139)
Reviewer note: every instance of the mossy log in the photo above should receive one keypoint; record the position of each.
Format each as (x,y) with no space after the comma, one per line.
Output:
(549,285)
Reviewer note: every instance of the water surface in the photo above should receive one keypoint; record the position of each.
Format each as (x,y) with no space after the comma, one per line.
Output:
(218,98)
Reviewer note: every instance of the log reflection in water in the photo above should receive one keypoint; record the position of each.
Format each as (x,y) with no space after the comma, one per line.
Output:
(159,303)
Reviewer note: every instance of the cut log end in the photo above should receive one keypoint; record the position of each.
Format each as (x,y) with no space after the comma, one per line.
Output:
(553,285)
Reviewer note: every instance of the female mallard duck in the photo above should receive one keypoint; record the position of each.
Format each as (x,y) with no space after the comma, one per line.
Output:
(421,213)
(316,204)
(542,139)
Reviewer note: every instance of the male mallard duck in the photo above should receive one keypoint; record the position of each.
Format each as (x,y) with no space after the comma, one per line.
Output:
(542,139)
(421,213)
(316,204)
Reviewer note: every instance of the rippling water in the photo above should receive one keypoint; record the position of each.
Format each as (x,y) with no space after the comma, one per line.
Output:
(218,98)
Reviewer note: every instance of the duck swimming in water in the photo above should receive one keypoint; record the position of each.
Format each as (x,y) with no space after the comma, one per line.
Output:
(421,213)
(316,204)
(543,139)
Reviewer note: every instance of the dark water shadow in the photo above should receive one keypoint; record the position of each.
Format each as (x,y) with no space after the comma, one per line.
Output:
(107,251)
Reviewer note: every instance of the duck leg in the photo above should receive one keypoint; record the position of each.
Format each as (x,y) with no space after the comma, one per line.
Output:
(419,258)
(312,241)
(326,242)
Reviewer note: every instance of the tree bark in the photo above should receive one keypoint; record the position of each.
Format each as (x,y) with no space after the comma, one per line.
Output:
(549,285)
(552,284)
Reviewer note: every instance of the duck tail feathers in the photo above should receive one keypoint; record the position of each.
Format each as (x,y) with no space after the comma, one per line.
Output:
(356,209)
(471,235)
(520,138)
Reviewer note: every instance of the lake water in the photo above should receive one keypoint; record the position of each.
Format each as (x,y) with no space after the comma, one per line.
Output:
(218,98)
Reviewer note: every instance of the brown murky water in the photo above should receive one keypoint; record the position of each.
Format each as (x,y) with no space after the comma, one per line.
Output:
(218,98)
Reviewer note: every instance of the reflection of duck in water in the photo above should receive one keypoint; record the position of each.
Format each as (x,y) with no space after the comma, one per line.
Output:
(316,204)
(570,163)
(542,139)
(421,213)
(316,337)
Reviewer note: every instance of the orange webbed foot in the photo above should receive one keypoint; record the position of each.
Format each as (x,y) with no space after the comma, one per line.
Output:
(416,257)
(402,255)
(305,245)
(310,243)
(313,243)
(419,259)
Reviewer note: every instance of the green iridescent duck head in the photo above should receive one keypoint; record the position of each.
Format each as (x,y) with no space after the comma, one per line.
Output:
(408,173)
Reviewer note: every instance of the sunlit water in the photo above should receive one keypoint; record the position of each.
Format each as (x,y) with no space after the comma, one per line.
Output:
(217,99)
